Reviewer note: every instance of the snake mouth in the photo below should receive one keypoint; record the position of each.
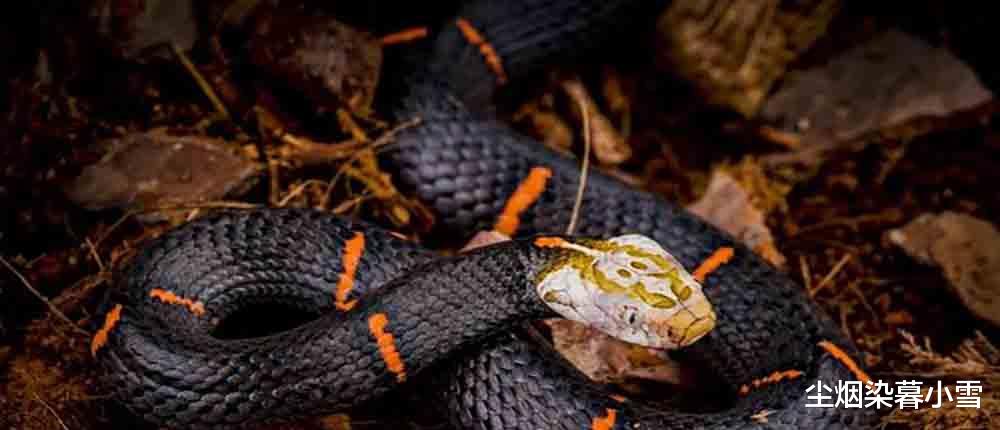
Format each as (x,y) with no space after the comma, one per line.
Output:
(692,323)
(697,330)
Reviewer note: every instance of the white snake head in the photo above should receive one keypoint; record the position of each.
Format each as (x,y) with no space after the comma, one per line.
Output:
(630,288)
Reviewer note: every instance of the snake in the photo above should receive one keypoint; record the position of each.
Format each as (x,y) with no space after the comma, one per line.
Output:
(392,313)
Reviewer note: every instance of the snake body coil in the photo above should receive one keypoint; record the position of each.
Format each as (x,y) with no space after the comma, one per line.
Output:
(408,311)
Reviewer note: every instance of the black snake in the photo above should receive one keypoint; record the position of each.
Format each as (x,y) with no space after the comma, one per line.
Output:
(393,310)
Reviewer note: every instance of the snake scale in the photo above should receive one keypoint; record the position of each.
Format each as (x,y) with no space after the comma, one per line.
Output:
(393,312)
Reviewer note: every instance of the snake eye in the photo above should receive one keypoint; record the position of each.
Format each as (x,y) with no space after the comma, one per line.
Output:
(624,273)
(638,265)
(630,316)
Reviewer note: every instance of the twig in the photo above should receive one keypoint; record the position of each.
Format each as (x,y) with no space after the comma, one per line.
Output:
(761,417)
(381,141)
(52,308)
(854,223)
(201,81)
(584,168)
(93,253)
(52,411)
(297,191)
(829,276)
(806,275)
(218,204)
(275,185)
(113,227)
(853,286)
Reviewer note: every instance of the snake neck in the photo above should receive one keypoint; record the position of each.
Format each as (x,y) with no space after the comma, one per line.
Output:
(462,300)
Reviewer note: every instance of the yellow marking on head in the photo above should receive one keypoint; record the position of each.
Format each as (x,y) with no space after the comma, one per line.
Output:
(653,303)
(846,360)
(353,249)
(387,345)
(584,262)
(680,290)
(606,422)
(101,337)
(527,192)
(718,258)
(168,297)
(638,290)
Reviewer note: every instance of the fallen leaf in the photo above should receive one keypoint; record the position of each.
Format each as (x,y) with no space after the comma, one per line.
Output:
(727,205)
(966,249)
(606,359)
(158,169)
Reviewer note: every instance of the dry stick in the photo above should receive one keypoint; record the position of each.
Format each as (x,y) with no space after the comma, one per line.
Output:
(829,276)
(806,275)
(52,308)
(113,227)
(214,204)
(93,253)
(382,140)
(200,80)
(583,169)
(297,191)
(52,411)
(853,286)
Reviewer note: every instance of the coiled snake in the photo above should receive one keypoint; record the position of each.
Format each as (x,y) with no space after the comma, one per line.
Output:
(393,310)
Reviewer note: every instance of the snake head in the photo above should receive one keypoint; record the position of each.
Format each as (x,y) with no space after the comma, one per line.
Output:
(630,288)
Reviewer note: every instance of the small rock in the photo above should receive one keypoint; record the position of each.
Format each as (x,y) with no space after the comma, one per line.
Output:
(158,169)
(329,62)
(966,249)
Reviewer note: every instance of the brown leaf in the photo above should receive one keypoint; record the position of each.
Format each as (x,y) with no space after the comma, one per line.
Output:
(727,205)
(966,249)
(158,169)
